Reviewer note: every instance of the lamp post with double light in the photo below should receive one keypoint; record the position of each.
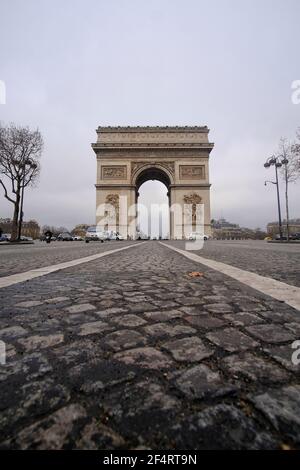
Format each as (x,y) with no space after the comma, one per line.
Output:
(278,164)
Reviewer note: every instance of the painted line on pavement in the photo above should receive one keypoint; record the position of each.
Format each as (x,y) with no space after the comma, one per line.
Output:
(7,281)
(276,289)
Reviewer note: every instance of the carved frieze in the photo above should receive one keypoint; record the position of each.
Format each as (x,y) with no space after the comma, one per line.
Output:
(152,137)
(114,172)
(193,172)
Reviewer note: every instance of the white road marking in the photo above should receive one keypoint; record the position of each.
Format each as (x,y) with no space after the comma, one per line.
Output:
(276,289)
(7,281)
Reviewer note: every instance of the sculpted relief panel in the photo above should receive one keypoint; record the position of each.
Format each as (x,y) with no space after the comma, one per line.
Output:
(114,172)
(192,172)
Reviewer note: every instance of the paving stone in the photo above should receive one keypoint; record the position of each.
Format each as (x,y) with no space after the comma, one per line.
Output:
(189,300)
(231,340)
(283,355)
(136,404)
(221,427)
(57,300)
(98,374)
(30,367)
(30,401)
(97,436)
(12,332)
(282,408)
(254,368)
(280,317)
(129,320)
(77,318)
(218,308)
(41,342)
(205,321)
(294,327)
(83,350)
(200,381)
(124,339)
(53,432)
(29,304)
(193,311)
(163,315)
(109,312)
(214,299)
(243,319)
(270,333)
(248,306)
(93,328)
(79,308)
(189,349)
(149,358)
(160,330)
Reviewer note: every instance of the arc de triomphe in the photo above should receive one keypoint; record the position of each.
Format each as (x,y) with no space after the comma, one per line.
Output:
(129,156)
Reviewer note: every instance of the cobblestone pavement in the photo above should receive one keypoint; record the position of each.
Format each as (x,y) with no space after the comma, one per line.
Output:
(18,259)
(131,352)
(278,261)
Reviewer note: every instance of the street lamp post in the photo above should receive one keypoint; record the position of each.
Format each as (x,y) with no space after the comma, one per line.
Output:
(275,161)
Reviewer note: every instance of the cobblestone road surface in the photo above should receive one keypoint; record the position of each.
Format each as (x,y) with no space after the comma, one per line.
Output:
(130,352)
(278,261)
(18,259)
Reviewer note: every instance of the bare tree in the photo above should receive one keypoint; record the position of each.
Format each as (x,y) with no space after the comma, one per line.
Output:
(289,154)
(295,148)
(20,151)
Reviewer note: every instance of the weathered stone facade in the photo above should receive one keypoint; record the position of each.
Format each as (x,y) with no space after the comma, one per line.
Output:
(176,156)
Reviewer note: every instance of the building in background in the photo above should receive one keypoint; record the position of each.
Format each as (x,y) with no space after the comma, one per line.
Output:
(273,227)
(224,230)
(29,229)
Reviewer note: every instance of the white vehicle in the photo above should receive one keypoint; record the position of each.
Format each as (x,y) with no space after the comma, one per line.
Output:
(77,238)
(93,234)
(115,236)
(198,236)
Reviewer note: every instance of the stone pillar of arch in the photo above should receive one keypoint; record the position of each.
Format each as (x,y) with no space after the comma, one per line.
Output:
(129,156)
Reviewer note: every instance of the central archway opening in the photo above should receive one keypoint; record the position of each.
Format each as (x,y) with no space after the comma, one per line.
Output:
(153,205)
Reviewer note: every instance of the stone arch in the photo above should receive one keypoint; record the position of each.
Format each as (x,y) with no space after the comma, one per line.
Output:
(151,171)
(177,156)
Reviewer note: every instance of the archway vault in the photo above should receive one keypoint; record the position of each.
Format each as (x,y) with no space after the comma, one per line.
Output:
(152,171)
(178,157)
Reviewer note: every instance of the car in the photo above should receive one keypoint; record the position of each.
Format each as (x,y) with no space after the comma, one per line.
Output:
(295,236)
(94,234)
(65,237)
(268,239)
(26,239)
(115,236)
(198,236)
(282,237)
(5,237)
(77,238)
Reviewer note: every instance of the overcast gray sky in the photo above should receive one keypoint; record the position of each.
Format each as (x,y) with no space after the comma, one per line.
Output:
(71,65)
